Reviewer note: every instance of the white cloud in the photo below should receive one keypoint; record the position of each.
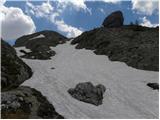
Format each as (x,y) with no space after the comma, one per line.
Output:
(106,1)
(147,23)
(101,10)
(77,3)
(81,4)
(54,15)
(147,7)
(2,2)
(40,10)
(61,26)
(70,30)
(15,23)
(47,11)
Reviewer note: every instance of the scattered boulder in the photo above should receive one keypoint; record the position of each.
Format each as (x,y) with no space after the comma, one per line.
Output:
(13,70)
(137,46)
(115,19)
(88,93)
(26,103)
(154,86)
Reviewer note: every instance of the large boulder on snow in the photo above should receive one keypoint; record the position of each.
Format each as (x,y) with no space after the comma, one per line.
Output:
(39,43)
(115,19)
(26,103)
(13,70)
(88,93)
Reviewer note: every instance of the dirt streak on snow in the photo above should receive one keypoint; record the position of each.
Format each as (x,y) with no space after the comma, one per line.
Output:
(127,95)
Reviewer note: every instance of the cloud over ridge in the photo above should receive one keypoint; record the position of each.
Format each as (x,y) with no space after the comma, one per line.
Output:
(15,23)
(146,7)
(53,15)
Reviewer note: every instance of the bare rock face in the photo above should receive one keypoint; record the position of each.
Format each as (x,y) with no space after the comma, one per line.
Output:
(115,19)
(26,103)
(13,70)
(88,93)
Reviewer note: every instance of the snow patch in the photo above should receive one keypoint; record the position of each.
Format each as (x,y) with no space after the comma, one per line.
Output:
(21,48)
(40,36)
(126,96)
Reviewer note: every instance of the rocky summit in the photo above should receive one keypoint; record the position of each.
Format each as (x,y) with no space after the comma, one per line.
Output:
(13,70)
(115,19)
(135,45)
(39,44)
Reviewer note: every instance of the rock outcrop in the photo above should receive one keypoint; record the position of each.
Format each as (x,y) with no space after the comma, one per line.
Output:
(20,102)
(44,55)
(13,70)
(154,86)
(115,19)
(48,38)
(26,103)
(39,43)
(88,93)
(137,46)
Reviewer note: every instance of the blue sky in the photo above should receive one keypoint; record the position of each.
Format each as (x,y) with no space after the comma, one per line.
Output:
(72,17)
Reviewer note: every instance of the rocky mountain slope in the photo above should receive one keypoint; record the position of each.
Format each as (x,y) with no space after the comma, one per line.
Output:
(48,38)
(127,94)
(20,101)
(39,44)
(86,83)
(137,46)
(13,70)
